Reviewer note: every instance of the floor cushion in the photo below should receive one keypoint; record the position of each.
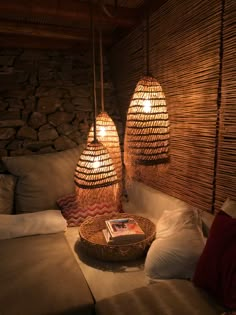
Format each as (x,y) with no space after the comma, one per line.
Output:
(39,275)
(166,297)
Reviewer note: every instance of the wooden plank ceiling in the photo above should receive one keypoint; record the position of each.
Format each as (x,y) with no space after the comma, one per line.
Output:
(60,24)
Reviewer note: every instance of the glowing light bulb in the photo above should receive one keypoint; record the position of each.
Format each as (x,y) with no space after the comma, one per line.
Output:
(102,132)
(96,163)
(147,106)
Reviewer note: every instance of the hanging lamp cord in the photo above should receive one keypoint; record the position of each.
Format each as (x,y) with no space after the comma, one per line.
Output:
(101,69)
(147,39)
(94,73)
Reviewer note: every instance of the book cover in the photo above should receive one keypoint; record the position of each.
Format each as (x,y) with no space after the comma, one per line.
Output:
(107,236)
(124,228)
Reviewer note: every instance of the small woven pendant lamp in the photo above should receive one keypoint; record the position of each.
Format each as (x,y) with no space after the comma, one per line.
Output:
(147,125)
(96,180)
(108,136)
(106,129)
(94,168)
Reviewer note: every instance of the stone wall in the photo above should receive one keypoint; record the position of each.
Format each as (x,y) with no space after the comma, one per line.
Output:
(46,100)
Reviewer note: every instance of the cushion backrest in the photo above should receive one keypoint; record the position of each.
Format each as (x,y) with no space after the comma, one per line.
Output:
(42,179)
(151,202)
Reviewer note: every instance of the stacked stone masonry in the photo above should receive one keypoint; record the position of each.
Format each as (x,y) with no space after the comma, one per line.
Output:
(46,102)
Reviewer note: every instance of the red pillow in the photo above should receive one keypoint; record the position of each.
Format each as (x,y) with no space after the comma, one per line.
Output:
(75,214)
(216,268)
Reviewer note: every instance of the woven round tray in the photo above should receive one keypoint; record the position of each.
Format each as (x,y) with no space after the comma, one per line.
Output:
(94,244)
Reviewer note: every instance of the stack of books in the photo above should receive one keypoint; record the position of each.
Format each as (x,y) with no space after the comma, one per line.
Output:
(123,231)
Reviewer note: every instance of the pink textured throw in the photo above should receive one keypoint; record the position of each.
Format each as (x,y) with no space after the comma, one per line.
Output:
(75,214)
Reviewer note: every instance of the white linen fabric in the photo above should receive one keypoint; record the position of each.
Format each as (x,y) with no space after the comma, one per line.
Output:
(179,243)
(42,222)
(173,221)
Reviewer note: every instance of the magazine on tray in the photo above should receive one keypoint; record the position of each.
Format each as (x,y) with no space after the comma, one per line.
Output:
(119,241)
(125,228)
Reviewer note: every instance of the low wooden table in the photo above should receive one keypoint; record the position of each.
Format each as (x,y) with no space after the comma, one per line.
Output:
(94,244)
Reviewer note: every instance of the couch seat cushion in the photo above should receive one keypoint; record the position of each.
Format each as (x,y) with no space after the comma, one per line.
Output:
(39,275)
(165,297)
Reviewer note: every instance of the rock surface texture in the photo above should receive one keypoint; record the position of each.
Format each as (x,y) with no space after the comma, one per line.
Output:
(46,101)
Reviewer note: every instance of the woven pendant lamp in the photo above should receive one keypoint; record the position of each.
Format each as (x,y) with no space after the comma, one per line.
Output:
(94,168)
(96,181)
(106,129)
(108,136)
(147,125)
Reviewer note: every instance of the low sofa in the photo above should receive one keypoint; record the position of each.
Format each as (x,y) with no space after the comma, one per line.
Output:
(38,273)
(166,296)
(44,272)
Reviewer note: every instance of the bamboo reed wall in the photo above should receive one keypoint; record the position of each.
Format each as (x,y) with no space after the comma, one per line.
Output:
(226,159)
(185,57)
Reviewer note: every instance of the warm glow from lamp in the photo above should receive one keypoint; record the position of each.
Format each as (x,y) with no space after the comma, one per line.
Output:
(102,132)
(96,163)
(147,106)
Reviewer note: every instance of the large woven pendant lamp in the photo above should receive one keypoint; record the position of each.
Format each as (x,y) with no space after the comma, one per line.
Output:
(95,176)
(147,125)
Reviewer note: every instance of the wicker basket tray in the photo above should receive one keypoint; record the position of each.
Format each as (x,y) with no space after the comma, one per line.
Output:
(94,244)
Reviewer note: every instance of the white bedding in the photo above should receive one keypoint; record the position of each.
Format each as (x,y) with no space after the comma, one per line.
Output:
(42,222)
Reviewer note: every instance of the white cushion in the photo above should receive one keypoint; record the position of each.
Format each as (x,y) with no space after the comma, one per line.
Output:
(42,222)
(42,179)
(150,202)
(177,247)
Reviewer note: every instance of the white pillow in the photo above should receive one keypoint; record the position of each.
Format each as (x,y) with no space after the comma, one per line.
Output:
(42,178)
(42,222)
(179,243)
(173,221)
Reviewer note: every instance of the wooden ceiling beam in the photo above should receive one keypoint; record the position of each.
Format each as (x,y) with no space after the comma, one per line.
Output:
(31,42)
(71,11)
(48,32)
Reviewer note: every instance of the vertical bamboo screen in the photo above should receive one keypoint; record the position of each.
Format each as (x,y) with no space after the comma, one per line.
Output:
(226,166)
(127,63)
(184,58)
